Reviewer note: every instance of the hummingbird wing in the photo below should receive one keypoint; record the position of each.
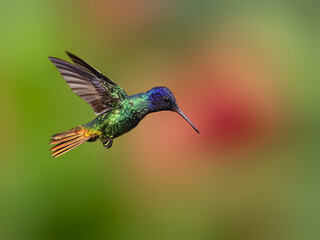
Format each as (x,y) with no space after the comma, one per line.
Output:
(99,91)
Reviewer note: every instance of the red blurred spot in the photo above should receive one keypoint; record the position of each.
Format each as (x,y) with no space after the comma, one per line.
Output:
(229,118)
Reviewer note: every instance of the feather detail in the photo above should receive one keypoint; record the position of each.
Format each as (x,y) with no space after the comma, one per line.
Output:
(85,80)
(70,139)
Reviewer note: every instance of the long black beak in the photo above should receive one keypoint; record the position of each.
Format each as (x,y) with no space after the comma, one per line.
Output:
(185,117)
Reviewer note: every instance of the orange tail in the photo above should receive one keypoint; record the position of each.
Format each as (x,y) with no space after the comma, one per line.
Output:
(68,140)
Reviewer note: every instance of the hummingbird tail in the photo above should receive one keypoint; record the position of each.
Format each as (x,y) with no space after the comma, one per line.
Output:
(68,140)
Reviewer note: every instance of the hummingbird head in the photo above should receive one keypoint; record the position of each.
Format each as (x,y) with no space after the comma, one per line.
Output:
(161,99)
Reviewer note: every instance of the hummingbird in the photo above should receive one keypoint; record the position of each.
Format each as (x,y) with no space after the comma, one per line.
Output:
(118,113)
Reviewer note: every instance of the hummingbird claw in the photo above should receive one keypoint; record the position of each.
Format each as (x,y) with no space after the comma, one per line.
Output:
(108,143)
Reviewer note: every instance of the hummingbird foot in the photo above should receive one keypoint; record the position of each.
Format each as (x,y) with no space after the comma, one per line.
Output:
(108,143)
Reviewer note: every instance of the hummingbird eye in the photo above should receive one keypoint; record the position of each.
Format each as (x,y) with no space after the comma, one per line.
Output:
(166,99)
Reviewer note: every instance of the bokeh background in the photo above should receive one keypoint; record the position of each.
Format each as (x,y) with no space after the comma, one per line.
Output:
(245,72)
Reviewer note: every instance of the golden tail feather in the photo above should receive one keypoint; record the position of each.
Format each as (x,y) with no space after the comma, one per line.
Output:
(68,140)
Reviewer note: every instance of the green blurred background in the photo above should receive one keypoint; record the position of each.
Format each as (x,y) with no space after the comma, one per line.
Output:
(247,75)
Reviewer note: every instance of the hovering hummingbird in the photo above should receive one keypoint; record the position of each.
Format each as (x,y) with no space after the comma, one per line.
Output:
(117,112)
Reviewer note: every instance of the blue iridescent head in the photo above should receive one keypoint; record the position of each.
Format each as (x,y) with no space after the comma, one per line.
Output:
(161,99)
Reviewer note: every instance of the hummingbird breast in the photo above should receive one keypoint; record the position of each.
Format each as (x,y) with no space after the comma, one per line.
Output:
(123,119)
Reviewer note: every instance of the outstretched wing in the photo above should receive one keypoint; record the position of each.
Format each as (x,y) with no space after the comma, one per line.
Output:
(100,92)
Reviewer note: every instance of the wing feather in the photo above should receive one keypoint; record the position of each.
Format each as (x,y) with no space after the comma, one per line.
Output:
(100,92)
(79,62)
